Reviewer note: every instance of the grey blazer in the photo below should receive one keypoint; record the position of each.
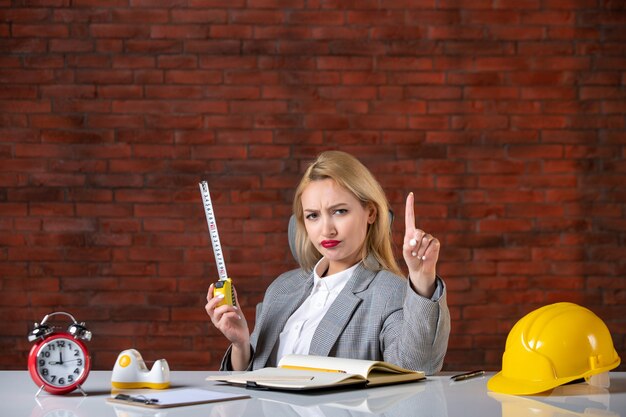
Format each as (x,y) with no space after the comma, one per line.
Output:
(376,316)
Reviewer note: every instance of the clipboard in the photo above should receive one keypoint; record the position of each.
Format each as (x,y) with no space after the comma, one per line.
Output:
(175,398)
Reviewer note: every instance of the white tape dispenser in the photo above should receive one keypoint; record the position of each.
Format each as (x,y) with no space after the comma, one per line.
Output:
(130,372)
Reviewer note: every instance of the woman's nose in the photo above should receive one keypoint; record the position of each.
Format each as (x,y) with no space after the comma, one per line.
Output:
(329,227)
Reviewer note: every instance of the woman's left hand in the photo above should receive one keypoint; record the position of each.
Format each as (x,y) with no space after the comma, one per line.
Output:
(420,251)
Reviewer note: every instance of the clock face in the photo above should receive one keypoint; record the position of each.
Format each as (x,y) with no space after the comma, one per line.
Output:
(61,362)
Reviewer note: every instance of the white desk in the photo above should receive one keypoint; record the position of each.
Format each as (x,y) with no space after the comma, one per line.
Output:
(437,396)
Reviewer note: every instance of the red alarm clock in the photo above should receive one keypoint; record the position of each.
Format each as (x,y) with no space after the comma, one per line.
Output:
(59,361)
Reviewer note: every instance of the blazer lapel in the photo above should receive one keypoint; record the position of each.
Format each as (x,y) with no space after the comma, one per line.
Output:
(282,305)
(339,313)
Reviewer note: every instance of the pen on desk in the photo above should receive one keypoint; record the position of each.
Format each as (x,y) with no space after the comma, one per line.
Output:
(308,368)
(467,375)
(137,399)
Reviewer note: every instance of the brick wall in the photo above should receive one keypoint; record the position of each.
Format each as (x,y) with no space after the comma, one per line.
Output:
(506,118)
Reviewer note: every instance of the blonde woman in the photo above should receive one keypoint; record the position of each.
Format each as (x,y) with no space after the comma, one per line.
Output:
(348,298)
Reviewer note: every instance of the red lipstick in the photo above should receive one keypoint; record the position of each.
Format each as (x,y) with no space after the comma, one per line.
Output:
(330,243)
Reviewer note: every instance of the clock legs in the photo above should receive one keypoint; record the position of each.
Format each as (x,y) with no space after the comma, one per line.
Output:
(78,387)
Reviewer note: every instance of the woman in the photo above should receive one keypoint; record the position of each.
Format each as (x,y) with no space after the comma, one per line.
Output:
(348,298)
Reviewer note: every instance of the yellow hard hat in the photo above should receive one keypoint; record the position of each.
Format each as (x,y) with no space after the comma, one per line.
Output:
(552,346)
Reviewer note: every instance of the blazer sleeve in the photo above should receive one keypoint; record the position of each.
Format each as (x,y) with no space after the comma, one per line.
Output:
(415,333)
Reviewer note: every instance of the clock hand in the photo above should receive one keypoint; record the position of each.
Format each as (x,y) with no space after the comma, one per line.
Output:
(59,362)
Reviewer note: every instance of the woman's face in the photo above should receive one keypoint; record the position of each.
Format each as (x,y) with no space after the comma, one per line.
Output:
(336,222)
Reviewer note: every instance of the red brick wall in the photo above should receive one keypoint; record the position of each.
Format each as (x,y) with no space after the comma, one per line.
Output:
(505,117)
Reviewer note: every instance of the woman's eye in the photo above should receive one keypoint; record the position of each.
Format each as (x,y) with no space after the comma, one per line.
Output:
(311,216)
(341,211)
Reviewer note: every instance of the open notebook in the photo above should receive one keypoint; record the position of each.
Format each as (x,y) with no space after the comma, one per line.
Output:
(308,372)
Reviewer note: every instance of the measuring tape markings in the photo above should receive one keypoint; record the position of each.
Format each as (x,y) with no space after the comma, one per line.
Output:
(215,237)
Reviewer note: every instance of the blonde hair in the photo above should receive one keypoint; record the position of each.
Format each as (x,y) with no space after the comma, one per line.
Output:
(352,175)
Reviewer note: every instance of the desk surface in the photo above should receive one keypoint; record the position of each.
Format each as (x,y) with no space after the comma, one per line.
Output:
(437,396)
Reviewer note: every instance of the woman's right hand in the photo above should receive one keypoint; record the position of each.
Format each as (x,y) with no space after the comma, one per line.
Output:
(228,319)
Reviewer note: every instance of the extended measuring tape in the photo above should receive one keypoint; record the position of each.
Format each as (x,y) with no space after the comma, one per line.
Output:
(224,285)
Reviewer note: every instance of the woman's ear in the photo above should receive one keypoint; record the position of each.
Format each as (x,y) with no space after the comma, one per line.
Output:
(372,213)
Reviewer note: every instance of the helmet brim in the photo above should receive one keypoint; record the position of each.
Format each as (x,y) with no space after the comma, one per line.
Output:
(504,385)
(500,383)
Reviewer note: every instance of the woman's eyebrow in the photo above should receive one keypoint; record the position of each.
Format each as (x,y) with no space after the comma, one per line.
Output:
(334,206)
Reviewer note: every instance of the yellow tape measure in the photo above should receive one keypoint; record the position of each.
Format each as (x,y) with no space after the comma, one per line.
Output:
(225,285)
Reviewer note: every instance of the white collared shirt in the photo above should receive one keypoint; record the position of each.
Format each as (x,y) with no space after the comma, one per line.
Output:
(298,331)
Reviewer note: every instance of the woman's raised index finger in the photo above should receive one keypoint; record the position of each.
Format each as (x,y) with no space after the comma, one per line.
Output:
(409,213)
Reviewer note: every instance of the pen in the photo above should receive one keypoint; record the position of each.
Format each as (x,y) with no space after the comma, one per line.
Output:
(467,375)
(138,399)
(307,368)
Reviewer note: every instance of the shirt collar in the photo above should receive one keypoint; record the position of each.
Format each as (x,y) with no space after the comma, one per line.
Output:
(333,281)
